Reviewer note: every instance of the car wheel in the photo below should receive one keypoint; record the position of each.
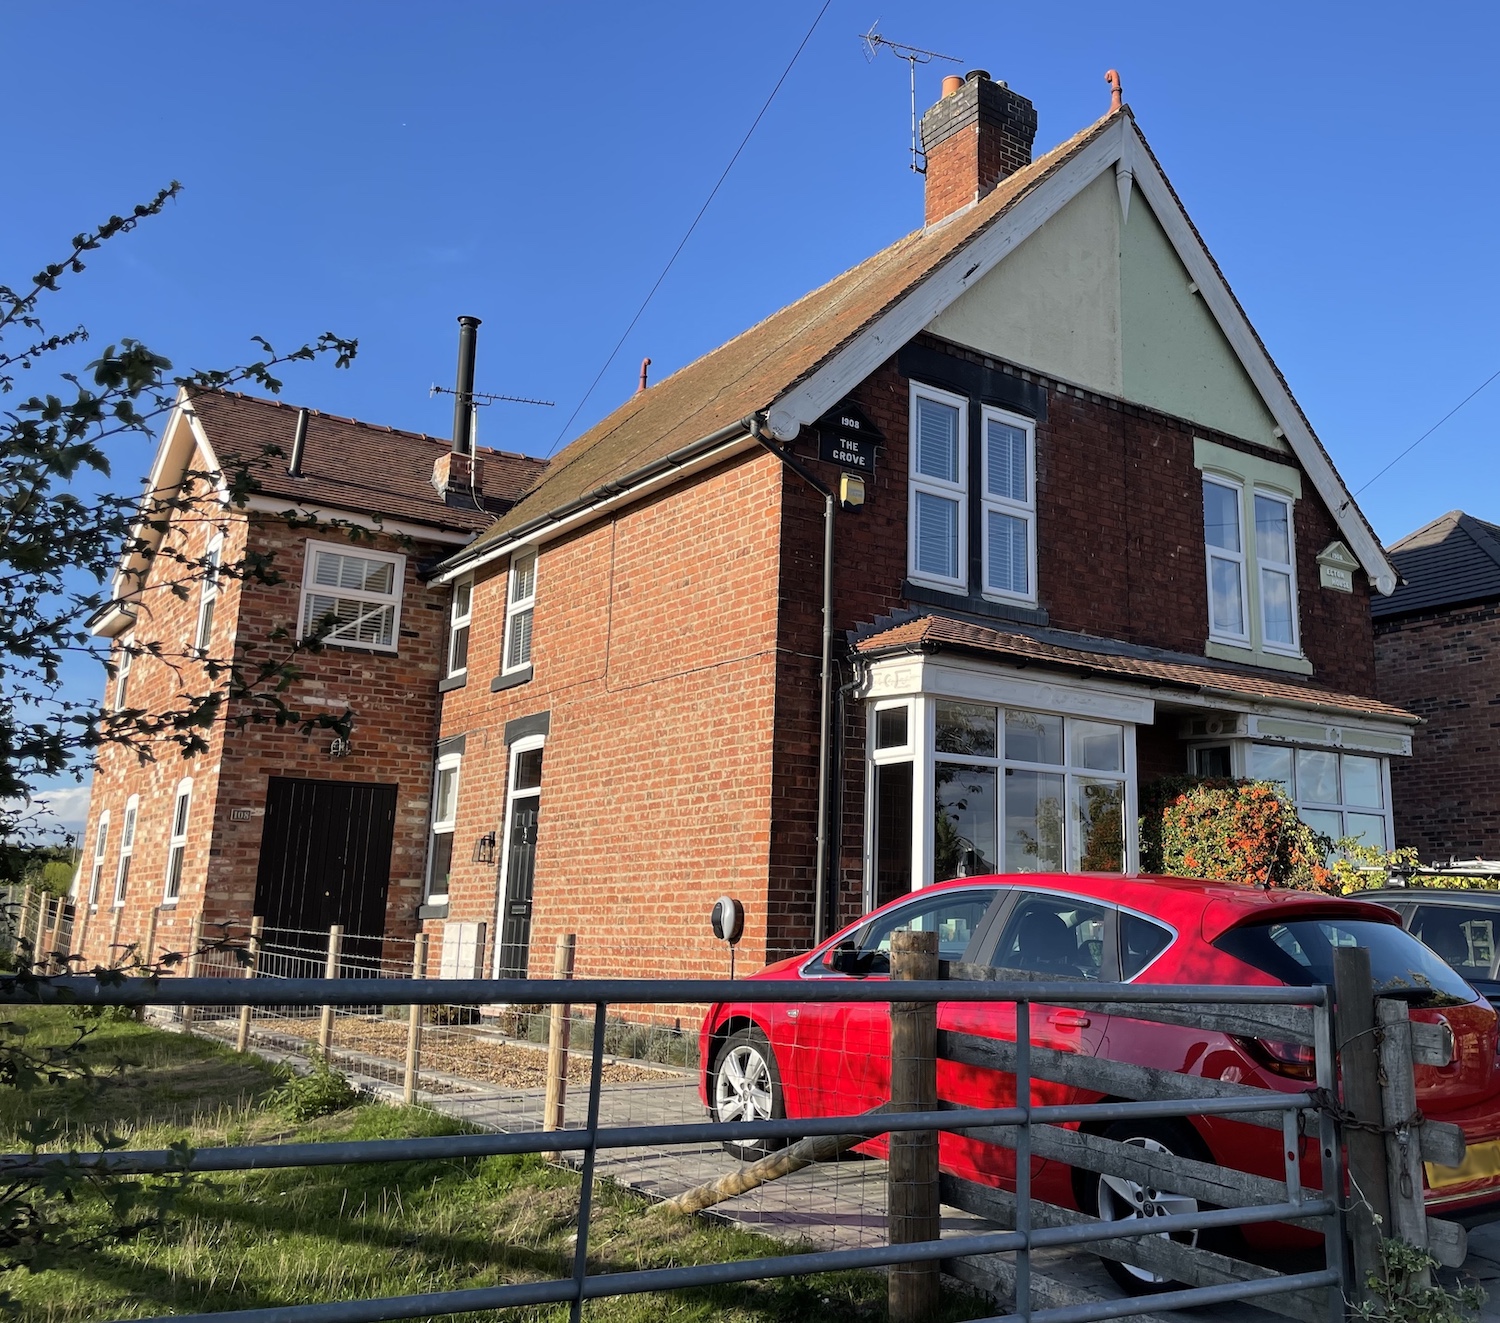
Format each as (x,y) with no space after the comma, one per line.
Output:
(746,1086)
(1116,1199)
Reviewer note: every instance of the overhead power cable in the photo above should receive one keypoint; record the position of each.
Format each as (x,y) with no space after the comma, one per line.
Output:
(682,243)
(1493,375)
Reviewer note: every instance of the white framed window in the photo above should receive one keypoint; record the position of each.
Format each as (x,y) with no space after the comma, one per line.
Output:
(1009,499)
(938,515)
(1275,561)
(458,627)
(444,820)
(177,845)
(124,658)
(127,848)
(1338,794)
(1224,546)
(96,872)
(520,610)
(358,593)
(208,594)
(892,745)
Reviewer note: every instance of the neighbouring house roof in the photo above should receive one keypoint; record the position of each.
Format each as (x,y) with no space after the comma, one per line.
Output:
(351,465)
(1106,659)
(802,360)
(1452,560)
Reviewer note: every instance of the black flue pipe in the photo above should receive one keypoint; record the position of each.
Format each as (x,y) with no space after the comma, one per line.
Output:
(463,394)
(299,444)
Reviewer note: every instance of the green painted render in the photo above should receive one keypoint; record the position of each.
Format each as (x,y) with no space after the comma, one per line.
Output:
(1175,357)
(1107,306)
(1054,303)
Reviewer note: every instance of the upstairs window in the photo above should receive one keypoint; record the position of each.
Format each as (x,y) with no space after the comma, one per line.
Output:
(209,595)
(520,606)
(177,846)
(1009,507)
(1250,556)
(124,656)
(938,541)
(1222,534)
(1278,579)
(96,873)
(358,594)
(458,627)
(127,848)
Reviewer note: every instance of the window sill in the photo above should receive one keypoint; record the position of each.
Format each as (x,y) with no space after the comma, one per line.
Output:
(1248,656)
(169,903)
(453,682)
(510,680)
(974,606)
(433,910)
(379,649)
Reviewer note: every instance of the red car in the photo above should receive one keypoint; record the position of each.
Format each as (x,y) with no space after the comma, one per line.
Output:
(830,1059)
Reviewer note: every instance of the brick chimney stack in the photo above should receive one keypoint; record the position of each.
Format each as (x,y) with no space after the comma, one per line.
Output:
(978,134)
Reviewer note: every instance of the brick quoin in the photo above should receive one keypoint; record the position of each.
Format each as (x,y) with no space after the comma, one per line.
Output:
(1441,665)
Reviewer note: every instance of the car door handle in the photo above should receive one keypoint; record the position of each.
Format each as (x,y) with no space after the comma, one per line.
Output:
(1069,1020)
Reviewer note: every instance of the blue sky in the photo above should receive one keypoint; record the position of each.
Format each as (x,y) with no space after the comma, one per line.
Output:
(378,168)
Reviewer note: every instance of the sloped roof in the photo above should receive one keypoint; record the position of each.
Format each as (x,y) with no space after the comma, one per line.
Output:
(1455,558)
(350,465)
(749,372)
(933,633)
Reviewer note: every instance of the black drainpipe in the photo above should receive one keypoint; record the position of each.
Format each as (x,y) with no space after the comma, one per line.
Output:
(820,884)
(463,396)
(299,444)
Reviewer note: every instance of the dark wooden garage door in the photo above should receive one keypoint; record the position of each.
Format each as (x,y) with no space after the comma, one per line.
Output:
(325,858)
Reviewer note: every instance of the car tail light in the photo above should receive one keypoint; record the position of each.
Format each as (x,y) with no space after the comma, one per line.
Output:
(1294,1060)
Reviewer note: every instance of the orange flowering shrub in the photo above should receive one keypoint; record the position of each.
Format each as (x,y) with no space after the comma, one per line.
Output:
(1232,831)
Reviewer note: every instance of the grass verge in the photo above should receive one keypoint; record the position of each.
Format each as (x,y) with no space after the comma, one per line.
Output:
(272,1239)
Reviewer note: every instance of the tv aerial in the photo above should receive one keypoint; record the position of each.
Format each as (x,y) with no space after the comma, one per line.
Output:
(913,55)
(479,399)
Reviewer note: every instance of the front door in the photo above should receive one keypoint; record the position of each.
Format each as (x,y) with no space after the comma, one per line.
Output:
(325,858)
(518,862)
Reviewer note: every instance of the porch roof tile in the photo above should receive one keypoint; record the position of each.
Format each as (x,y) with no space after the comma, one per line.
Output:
(933,633)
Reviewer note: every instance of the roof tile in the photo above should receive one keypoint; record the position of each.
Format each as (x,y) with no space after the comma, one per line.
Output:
(933,633)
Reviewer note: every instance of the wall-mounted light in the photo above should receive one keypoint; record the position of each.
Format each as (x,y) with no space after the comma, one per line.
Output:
(484,849)
(851,491)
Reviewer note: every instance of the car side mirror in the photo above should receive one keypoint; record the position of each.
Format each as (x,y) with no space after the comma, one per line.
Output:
(845,959)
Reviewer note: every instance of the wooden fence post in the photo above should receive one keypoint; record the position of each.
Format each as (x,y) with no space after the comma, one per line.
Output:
(1403,1141)
(148,946)
(195,946)
(414,1024)
(912,1199)
(555,1107)
(39,940)
(1359,1062)
(330,970)
(80,938)
(257,927)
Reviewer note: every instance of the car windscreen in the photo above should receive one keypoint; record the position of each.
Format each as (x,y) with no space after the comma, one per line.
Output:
(1300,952)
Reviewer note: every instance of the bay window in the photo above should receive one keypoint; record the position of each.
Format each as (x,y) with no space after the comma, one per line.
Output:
(959,788)
(1336,793)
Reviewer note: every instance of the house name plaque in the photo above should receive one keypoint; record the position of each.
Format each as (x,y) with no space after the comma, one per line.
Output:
(848,438)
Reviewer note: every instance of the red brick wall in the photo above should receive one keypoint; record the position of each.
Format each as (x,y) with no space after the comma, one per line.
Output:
(394,699)
(1442,666)
(654,651)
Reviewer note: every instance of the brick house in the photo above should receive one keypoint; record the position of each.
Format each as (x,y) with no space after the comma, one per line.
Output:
(1437,653)
(1082,536)
(268,820)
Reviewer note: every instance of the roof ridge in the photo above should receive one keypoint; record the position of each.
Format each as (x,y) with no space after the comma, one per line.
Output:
(1484,535)
(1400,544)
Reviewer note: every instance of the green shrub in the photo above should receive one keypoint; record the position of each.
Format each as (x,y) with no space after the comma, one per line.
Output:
(1398,1295)
(1233,831)
(322,1091)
